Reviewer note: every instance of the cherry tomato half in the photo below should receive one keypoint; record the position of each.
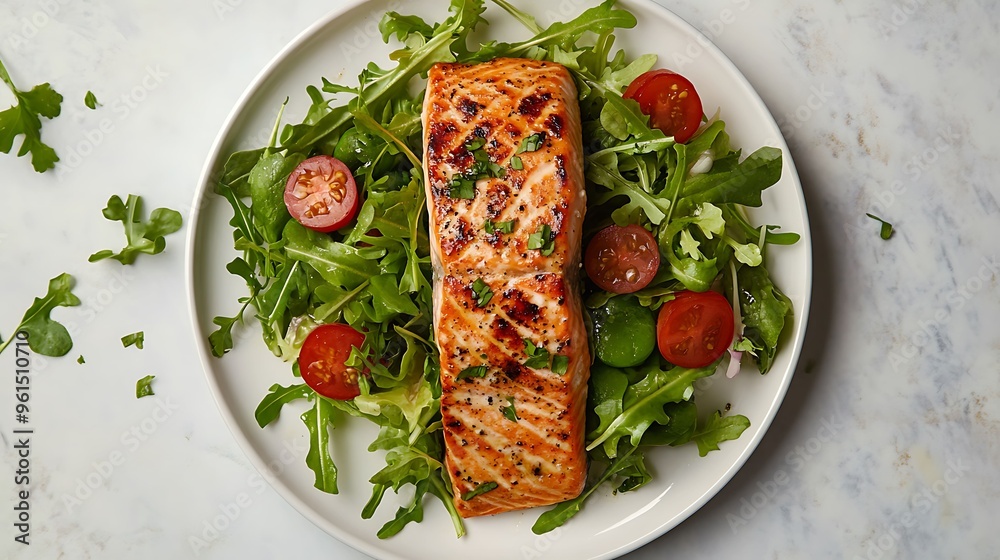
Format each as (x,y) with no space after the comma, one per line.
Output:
(671,102)
(321,361)
(695,329)
(622,260)
(321,194)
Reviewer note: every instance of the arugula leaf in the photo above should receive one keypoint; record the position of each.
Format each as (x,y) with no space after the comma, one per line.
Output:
(339,264)
(236,172)
(137,339)
(491,227)
(267,191)
(538,356)
(480,490)
(80,360)
(23,118)
(740,183)
(46,336)
(595,20)
(90,100)
(764,309)
(718,429)
(143,237)
(277,396)
(642,404)
(221,340)
(144,387)
(413,513)
(560,364)
(318,421)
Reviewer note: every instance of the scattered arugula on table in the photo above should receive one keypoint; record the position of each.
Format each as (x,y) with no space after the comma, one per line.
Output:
(144,387)
(24,118)
(80,360)
(90,100)
(886,230)
(142,236)
(136,339)
(45,335)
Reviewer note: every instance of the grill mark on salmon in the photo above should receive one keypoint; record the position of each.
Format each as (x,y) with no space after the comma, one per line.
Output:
(539,459)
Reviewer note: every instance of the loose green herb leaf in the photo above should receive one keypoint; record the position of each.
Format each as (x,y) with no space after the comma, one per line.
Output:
(538,357)
(24,118)
(483,292)
(318,420)
(144,386)
(492,227)
(516,163)
(462,188)
(886,231)
(510,412)
(718,429)
(531,143)
(137,339)
(474,371)
(479,490)
(90,100)
(80,360)
(765,312)
(143,237)
(277,396)
(560,364)
(46,336)
(542,240)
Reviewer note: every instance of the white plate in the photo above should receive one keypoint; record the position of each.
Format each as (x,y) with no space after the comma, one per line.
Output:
(338,47)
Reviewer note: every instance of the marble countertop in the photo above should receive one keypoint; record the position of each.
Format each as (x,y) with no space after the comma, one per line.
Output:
(885,447)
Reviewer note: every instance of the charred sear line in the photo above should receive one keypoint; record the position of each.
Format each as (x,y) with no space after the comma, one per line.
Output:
(469,108)
(511,369)
(532,105)
(440,136)
(555,125)
(519,308)
(462,234)
(505,332)
(561,168)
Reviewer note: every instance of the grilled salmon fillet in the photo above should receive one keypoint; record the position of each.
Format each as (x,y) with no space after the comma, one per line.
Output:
(503,160)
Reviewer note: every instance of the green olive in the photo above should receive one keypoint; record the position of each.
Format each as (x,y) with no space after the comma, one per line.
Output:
(624,332)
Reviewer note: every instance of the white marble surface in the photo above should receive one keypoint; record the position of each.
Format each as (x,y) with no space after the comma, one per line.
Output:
(888,441)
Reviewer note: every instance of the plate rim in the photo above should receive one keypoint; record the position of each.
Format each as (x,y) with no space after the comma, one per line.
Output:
(204,190)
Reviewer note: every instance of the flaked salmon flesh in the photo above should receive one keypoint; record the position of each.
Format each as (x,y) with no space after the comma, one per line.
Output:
(506,299)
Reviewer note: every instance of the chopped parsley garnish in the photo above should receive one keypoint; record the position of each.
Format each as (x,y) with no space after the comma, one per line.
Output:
(492,227)
(475,144)
(560,364)
(483,292)
(509,411)
(144,387)
(538,357)
(886,231)
(531,143)
(542,240)
(462,188)
(475,371)
(516,163)
(135,339)
(478,490)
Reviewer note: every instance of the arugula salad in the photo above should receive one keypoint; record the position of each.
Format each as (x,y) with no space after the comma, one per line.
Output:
(672,261)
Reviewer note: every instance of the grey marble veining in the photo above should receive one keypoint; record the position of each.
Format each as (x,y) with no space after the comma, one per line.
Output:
(886,446)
